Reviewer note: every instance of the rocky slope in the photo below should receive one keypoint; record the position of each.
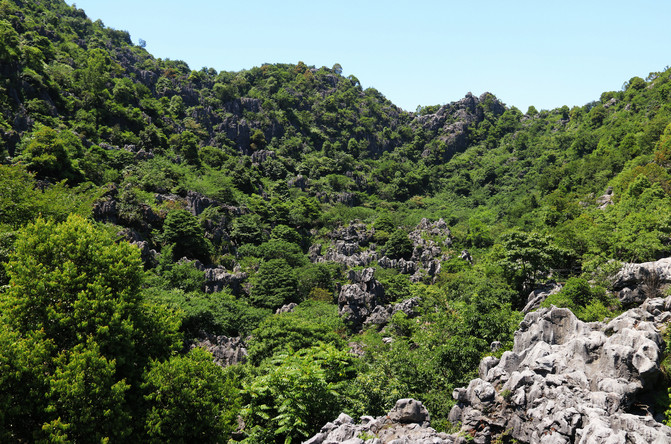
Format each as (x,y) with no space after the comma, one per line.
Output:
(565,381)
(569,381)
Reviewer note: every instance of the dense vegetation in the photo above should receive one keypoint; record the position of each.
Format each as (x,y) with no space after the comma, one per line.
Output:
(102,144)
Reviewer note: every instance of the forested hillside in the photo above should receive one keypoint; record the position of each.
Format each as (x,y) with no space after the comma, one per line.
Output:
(334,251)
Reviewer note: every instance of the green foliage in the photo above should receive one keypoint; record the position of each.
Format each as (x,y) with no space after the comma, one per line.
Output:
(528,257)
(190,398)
(73,314)
(298,392)
(399,245)
(586,302)
(285,233)
(217,313)
(275,284)
(314,322)
(182,229)
(58,285)
(85,393)
(46,154)
(314,151)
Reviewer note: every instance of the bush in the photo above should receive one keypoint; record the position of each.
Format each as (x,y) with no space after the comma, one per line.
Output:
(275,284)
(190,400)
(182,229)
(399,245)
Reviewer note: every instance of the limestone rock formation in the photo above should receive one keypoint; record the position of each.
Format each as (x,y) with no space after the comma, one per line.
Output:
(225,350)
(539,295)
(567,381)
(358,300)
(636,282)
(383,313)
(427,253)
(216,279)
(346,247)
(406,423)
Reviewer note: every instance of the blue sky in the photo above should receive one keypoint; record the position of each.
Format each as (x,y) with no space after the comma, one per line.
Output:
(420,52)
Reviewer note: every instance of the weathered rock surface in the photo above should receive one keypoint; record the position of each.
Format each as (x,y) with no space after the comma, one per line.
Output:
(346,247)
(406,423)
(358,300)
(567,381)
(427,253)
(225,350)
(636,282)
(606,199)
(216,279)
(452,123)
(383,313)
(539,295)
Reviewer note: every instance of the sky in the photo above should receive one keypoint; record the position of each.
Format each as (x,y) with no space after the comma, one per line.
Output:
(421,52)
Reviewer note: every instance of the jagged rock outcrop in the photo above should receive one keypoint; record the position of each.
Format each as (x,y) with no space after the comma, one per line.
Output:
(426,255)
(606,199)
(346,247)
(358,300)
(453,122)
(383,313)
(225,350)
(636,282)
(149,255)
(539,295)
(406,423)
(196,203)
(216,279)
(567,381)
(286,308)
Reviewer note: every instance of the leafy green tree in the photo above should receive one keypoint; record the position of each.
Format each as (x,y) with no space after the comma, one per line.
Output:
(298,392)
(300,329)
(87,395)
(399,245)
(73,281)
(275,284)
(190,399)
(281,249)
(527,257)
(248,229)
(182,229)
(384,223)
(285,233)
(74,296)
(47,156)
(24,360)
(587,302)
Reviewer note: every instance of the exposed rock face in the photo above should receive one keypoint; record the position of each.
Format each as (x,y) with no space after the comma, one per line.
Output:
(383,313)
(568,381)
(453,122)
(606,199)
(226,351)
(286,308)
(149,255)
(216,279)
(407,422)
(346,247)
(426,254)
(358,300)
(196,203)
(636,282)
(539,295)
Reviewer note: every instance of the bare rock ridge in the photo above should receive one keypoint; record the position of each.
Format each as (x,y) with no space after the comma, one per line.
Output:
(565,381)
(225,350)
(407,422)
(636,282)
